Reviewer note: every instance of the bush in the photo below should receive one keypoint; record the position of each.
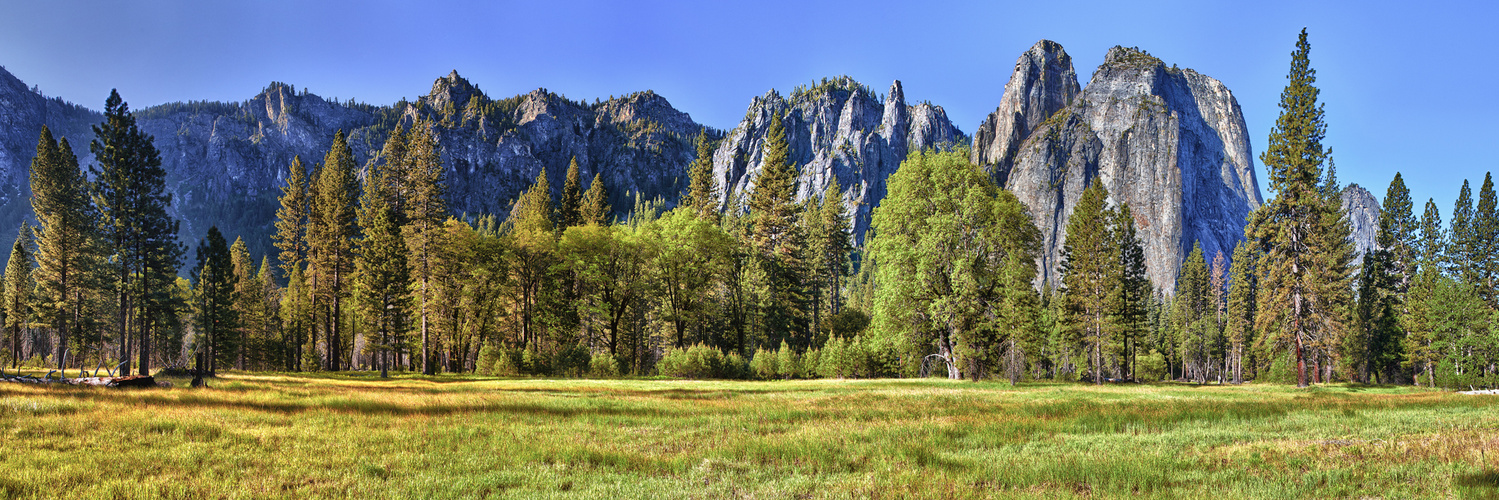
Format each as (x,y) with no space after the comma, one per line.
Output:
(1151,367)
(701,362)
(763,365)
(787,364)
(603,365)
(571,360)
(488,355)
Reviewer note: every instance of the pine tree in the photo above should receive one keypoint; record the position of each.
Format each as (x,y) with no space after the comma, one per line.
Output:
(836,247)
(1460,252)
(777,241)
(595,209)
(1192,315)
(1239,308)
(1300,275)
(383,279)
(18,293)
(426,209)
(130,190)
(213,300)
(246,293)
(702,193)
(1133,292)
(533,241)
(330,237)
(1090,274)
(1420,341)
(569,212)
(67,249)
(1383,283)
(1484,243)
(291,218)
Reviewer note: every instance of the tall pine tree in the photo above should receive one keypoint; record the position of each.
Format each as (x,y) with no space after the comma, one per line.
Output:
(1293,227)
(330,236)
(67,244)
(778,242)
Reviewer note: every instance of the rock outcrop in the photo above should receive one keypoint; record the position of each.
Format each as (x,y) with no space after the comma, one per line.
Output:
(226,162)
(23,112)
(1169,142)
(1362,211)
(838,129)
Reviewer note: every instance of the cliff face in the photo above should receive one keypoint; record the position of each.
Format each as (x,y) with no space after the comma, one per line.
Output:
(23,112)
(1043,83)
(226,162)
(1171,143)
(1362,211)
(838,130)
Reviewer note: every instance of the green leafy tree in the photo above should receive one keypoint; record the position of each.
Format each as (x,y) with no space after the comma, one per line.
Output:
(954,255)
(532,240)
(690,255)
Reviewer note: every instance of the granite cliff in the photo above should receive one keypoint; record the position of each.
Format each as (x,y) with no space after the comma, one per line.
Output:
(225,162)
(837,129)
(1169,142)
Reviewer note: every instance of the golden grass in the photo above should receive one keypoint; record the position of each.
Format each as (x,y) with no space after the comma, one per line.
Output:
(352,435)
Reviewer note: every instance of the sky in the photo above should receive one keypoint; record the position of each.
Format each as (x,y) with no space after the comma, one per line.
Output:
(1407,85)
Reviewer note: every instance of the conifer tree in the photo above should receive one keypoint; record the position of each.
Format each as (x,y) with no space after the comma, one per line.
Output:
(1090,274)
(66,238)
(777,241)
(129,188)
(1484,242)
(18,293)
(569,209)
(291,218)
(836,247)
(595,209)
(1420,341)
(702,194)
(1300,274)
(246,292)
(330,237)
(383,278)
(1192,315)
(426,209)
(1239,315)
(533,241)
(1132,295)
(213,300)
(1460,251)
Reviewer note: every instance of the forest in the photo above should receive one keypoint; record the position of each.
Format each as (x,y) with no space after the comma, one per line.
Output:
(375,273)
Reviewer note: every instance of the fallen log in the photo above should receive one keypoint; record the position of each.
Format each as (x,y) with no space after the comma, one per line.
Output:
(131,381)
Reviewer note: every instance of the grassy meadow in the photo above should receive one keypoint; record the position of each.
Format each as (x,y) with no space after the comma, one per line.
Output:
(354,435)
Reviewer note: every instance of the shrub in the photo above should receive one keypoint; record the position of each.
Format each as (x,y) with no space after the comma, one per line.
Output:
(701,362)
(571,360)
(603,365)
(763,364)
(787,366)
(1151,367)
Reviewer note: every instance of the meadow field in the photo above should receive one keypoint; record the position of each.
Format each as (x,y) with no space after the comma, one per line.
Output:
(355,435)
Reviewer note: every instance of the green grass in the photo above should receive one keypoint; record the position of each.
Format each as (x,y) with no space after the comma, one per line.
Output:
(352,435)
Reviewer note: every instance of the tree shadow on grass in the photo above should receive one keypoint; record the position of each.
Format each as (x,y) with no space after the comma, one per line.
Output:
(357,406)
(1488,479)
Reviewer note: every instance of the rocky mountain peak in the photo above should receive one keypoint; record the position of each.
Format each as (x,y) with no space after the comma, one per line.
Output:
(1042,83)
(452,89)
(1362,210)
(837,129)
(1170,143)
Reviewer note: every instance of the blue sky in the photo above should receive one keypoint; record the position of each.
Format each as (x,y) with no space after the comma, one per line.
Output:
(1407,85)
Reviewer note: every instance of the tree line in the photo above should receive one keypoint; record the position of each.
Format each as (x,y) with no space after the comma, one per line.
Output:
(375,272)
